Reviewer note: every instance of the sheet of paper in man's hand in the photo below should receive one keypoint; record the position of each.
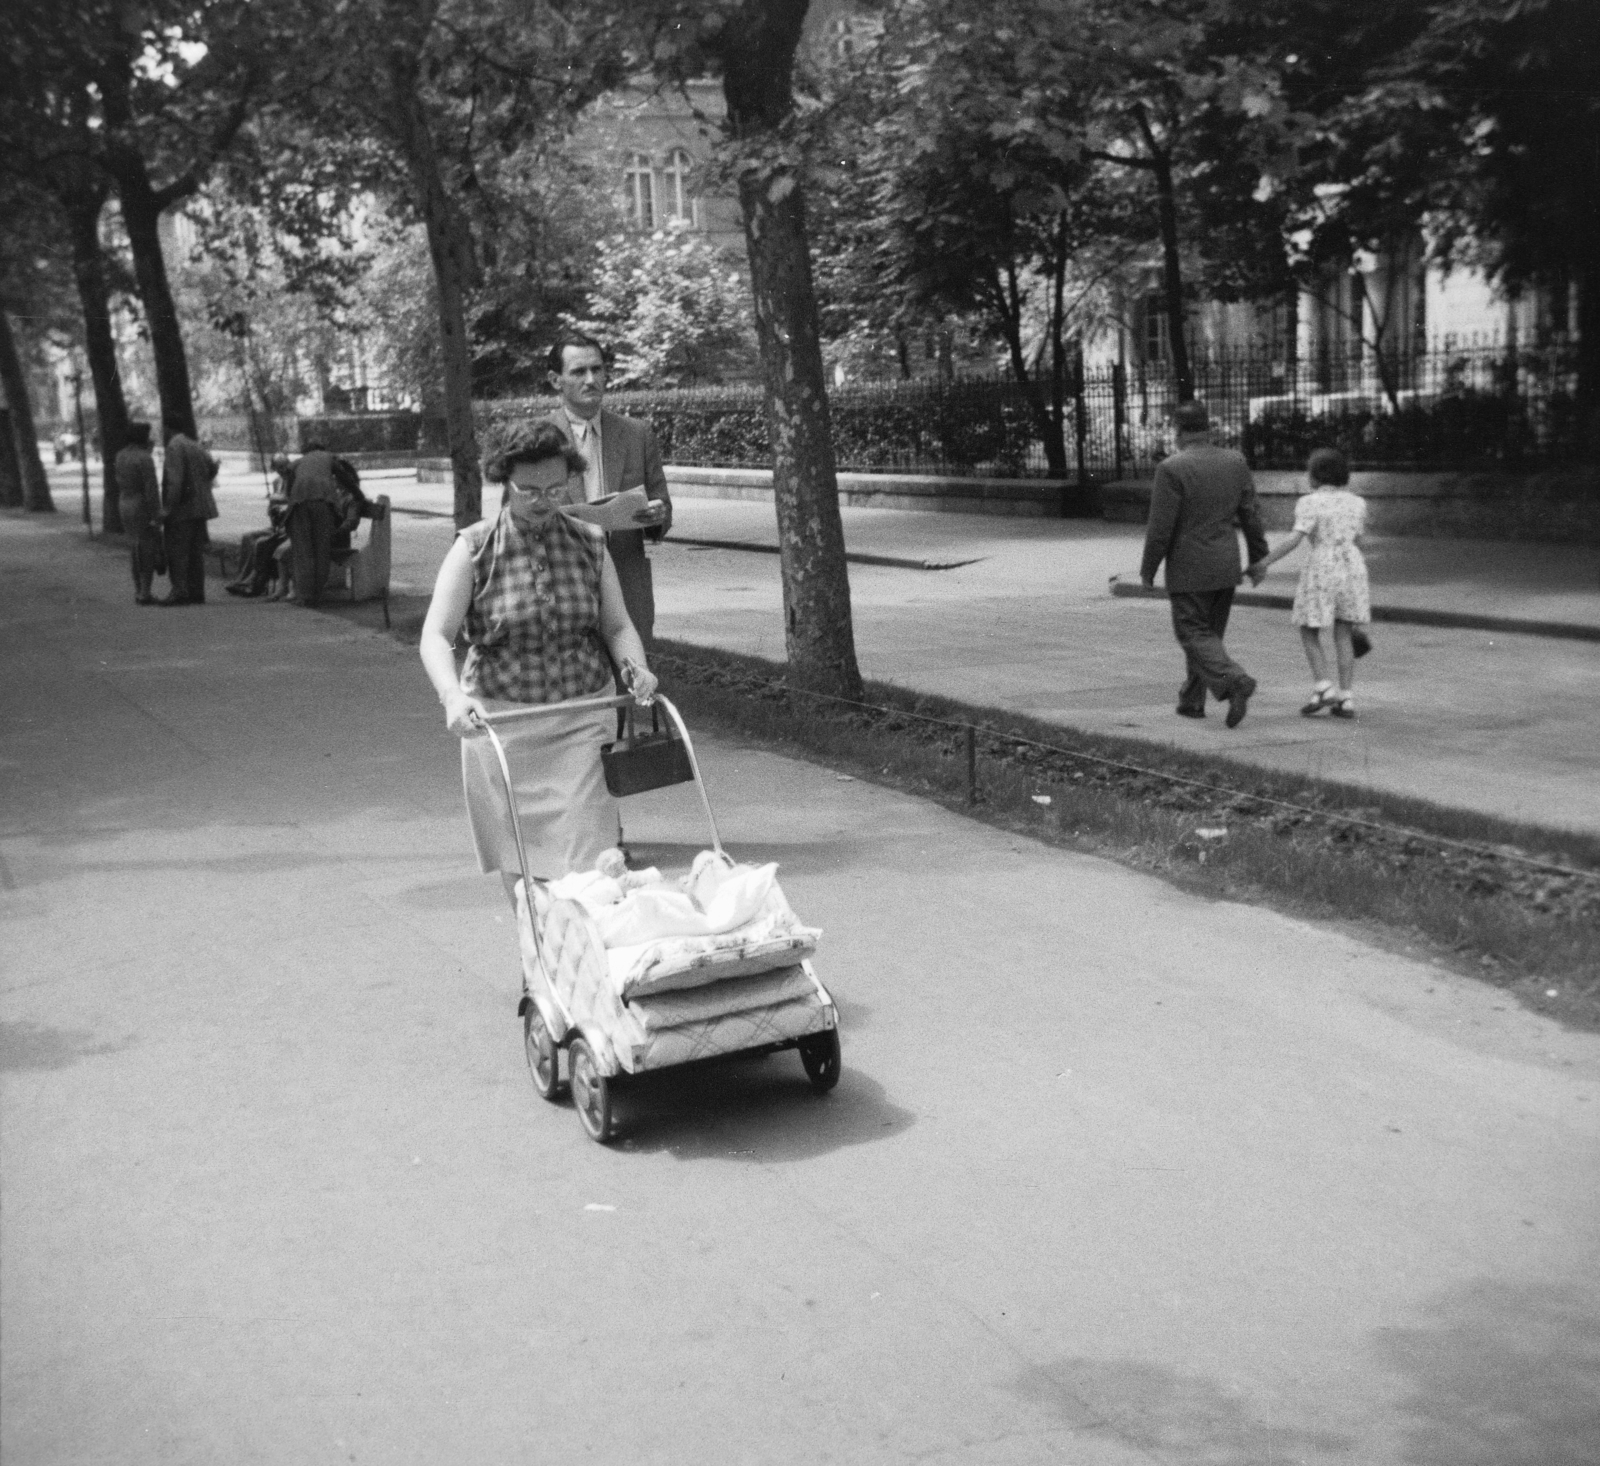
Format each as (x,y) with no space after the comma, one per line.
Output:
(614,511)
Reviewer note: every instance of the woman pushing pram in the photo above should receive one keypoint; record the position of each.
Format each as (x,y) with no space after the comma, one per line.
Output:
(541,606)
(623,972)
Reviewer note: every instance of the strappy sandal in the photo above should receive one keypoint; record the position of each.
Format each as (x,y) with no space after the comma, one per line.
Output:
(1322,696)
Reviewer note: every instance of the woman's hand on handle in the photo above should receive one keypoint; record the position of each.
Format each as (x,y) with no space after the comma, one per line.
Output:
(463,714)
(640,681)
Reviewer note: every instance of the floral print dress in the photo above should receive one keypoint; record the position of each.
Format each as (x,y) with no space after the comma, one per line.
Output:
(1333,585)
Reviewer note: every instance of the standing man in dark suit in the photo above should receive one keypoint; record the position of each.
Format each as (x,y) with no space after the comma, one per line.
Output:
(1203,496)
(622,453)
(186,504)
(315,498)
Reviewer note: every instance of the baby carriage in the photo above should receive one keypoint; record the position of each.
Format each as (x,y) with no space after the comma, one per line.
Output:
(633,972)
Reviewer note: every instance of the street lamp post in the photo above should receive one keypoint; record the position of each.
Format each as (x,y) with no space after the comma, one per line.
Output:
(83,448)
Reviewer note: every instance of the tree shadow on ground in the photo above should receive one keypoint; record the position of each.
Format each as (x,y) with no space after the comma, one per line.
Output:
(1501,1375)
(753,1112)
(1181,1417)
(35,1046)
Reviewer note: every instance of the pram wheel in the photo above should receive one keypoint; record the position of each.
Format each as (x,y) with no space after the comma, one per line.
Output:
(819,1052)
(544,1060)
(591,1092)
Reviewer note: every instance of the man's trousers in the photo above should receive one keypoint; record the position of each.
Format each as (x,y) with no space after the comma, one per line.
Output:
(1200,620)
(311,544)
(186,559)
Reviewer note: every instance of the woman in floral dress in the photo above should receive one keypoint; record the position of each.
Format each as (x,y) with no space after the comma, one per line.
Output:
(1333,590)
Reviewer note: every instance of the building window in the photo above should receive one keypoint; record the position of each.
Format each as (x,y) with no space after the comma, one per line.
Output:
(641,192)
(844,38)
(678,203)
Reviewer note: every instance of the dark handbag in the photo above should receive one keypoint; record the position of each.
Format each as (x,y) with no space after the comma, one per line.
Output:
(640,761)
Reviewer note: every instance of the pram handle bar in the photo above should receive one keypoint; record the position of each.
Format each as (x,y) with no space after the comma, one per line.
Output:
(541,710)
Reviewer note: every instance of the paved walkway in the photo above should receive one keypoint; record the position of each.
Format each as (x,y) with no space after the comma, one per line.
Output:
(1113,1176)
(1502,723)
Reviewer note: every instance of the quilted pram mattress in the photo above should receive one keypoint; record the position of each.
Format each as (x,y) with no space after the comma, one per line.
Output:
(684,995)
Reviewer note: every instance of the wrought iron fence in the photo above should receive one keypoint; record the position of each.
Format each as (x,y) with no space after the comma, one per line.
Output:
(1448,407)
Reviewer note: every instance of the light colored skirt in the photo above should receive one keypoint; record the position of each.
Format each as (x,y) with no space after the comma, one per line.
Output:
(568,816)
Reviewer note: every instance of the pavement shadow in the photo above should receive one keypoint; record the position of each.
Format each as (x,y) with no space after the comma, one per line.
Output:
(1501,1375)
(1182,1417)
(35,1046)
(754,1112)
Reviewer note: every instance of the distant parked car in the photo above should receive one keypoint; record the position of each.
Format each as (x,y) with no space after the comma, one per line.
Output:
(68,445)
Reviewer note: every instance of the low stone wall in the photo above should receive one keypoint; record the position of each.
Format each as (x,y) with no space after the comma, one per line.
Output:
(1560,505)
(1033,497)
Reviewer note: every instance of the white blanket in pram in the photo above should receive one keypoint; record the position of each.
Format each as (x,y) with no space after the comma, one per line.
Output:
(726,920)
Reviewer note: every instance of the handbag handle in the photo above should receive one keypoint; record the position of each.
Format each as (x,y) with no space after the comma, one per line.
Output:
(629,729)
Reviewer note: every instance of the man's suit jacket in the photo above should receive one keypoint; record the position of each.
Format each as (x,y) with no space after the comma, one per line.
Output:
(1203,496)
(630,458)
(187,474)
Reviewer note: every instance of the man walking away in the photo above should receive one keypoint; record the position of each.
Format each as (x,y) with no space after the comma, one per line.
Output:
(139,498)
(1203,495)
(622,453)
(186,504)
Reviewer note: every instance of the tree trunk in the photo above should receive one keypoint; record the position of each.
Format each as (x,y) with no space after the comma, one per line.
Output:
(88,268)
(1159,162)
(141,217)
(10,477)
(1588,393)
(450,248)
(35,486)
(1172,279)
(758,62)
(1045,427)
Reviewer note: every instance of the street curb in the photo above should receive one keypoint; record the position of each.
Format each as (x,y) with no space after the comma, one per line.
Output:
(1402,615)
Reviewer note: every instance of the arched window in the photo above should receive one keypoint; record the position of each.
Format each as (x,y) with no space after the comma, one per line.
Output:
(641,191)
(679,204)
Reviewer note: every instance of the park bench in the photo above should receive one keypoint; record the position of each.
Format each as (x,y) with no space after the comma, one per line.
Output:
(363,569)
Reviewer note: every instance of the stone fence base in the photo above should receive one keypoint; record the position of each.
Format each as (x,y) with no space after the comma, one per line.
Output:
(1561,505)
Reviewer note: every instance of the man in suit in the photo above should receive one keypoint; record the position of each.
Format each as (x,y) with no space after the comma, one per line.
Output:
(622,453)
(1203,496)
(186,504)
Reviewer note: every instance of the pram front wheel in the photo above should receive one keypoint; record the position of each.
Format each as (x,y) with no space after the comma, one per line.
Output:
(544,1060)
(819,1052)
(591,1092)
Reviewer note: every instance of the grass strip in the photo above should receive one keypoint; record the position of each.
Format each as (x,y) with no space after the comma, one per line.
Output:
(1532,931)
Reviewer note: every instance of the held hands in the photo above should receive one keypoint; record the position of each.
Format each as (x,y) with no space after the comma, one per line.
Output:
(1257,572)
(463,714)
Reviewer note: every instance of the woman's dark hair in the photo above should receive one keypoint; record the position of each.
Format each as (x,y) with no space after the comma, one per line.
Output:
(139,435)
(1328,466)
(512,443)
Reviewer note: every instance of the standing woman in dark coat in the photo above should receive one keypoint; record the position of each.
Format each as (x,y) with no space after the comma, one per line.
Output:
(139,498)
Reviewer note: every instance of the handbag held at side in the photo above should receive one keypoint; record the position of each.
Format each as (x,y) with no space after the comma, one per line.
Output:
(639,761)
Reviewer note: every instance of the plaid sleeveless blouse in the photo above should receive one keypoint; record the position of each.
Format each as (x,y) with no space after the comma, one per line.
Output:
(533,627)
